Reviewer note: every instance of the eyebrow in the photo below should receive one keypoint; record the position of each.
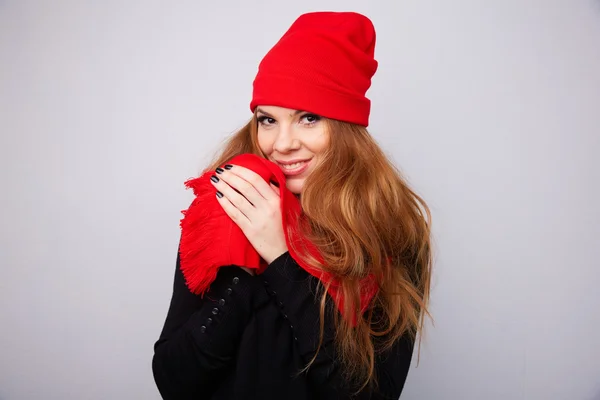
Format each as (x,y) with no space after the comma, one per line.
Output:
(260,110)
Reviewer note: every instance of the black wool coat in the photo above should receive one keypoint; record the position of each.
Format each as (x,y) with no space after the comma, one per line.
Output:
(250,336)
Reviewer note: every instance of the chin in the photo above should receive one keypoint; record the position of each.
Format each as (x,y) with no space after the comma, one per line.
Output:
(294,186)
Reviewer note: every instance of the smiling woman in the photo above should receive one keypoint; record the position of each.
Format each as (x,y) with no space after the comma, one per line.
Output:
(341,290)
(296,140)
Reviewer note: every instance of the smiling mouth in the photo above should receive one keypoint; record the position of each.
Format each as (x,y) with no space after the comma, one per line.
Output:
(295,168)
(292,166)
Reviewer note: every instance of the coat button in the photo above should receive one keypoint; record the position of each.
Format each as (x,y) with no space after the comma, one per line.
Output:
(222,302)
(209,321)
(228,291)
(236,280)
(202,329)
(215,311)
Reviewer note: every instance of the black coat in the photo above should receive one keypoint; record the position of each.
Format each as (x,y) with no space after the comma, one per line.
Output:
(250,336)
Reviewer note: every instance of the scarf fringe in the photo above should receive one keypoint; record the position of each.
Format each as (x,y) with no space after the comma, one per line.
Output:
(198,266)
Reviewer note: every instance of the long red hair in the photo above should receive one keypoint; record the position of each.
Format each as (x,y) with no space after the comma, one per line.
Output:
(367,221)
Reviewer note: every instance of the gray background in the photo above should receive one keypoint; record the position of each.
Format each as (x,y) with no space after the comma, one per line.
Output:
(492,109)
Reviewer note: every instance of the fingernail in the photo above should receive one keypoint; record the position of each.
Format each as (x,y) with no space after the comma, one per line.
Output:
(219,170)
(275,183)
(228,166)
(219,194)
(214,179)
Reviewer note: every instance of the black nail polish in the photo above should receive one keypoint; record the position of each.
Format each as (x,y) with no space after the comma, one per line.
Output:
(219,194)
(214,179)
(228,166)
(219,170)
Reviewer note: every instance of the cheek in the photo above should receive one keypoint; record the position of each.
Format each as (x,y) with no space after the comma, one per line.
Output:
(320,143)
(264,141)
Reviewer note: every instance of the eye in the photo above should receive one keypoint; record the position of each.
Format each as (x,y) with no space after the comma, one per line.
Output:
(310,119)
(265,121)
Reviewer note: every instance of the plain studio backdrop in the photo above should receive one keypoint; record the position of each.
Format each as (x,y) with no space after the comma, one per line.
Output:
(491,110)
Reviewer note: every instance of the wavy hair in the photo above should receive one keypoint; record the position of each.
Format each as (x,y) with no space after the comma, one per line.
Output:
(369,221)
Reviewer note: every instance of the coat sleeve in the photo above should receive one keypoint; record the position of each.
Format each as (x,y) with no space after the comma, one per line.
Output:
(295,291)
(200,334)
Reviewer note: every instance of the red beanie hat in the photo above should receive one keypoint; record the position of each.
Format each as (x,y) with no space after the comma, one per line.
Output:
(323,64)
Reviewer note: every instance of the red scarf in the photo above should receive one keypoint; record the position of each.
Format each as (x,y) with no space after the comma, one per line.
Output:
(210,239)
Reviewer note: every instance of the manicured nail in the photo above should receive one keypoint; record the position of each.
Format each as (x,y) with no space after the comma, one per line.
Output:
(219,170)
(228,166)
(214,179)
(219,194)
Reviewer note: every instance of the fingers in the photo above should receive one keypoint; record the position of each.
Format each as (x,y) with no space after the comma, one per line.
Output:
(232,210)
(275,189)
(242,186)
(232,198)
(247,176)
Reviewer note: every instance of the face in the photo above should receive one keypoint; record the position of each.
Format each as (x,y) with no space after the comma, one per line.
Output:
(294,139)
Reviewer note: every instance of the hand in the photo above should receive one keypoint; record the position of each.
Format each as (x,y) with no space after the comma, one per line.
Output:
(254,205)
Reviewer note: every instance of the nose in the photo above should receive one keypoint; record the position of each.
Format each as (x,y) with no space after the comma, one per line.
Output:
(286,139)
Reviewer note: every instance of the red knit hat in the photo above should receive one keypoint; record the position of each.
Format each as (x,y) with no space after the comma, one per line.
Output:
(323,64)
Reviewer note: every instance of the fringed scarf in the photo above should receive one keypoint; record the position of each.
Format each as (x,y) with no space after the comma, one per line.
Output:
(210,239)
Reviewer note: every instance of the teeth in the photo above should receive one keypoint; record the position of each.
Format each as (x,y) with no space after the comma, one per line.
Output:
(293,166)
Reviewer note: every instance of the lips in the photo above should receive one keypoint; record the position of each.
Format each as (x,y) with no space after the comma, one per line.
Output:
(290,161)
(294,167)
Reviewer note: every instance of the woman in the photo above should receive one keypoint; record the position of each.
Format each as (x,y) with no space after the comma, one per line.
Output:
(283,333)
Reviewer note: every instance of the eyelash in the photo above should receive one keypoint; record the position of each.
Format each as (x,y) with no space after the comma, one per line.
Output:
(263,118)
